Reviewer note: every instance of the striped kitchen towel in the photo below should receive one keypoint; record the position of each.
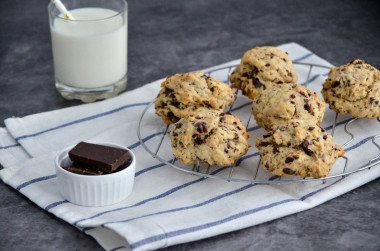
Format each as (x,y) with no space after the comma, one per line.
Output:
(168,206)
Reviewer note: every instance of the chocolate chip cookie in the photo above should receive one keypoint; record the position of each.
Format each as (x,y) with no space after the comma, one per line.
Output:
(297,148)
(182,94)
(354,88)
(262,68)
(209,137)
(286,102)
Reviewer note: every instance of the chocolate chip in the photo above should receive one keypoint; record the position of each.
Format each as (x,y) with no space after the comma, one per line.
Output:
(325,136)
(311,128)
(225,150)
(335,84)
(174,134)
(228,145)
(303,94)
(284,60)
(290,74)
(267,166)
(288,171)
(279,82)
(198,140)
(238,127)
(178,125)
(235,123)
(275,149)
(308,108)
(201,127)
(292,96)
(371,99)
(207,104)
(265,144)
(170,115)
(167,91)
(175,103)
(257,83)
(304,146)
(212,89)
(323,130)
(289,160)
(267,136)
(267,65)
(292,102)
(236,136)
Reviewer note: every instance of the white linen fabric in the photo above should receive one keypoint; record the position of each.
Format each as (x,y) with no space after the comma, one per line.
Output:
(167,206)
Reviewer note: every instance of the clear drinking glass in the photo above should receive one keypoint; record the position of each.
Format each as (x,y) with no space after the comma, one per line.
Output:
(90,52)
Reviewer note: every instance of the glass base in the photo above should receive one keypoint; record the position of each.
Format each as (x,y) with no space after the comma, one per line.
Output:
(91,95)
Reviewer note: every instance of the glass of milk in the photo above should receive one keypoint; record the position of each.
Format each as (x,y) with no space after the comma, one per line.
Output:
(90,52)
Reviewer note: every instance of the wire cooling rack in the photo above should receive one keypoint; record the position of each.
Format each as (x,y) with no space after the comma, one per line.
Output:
(154,137)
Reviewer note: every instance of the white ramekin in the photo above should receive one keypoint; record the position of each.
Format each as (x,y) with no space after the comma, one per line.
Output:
(94,190)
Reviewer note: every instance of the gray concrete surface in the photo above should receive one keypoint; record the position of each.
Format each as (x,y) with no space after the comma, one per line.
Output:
(167,37)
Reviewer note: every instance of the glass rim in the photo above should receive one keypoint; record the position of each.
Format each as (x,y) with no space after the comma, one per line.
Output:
(52,5)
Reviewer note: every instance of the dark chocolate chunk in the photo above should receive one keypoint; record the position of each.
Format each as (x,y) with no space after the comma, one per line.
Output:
(79,168)
(207,104)
(289,160)
(257,84)
(275,149)
(335,84)
(198,140)
(178,125)
(101,157)
(167,91)
(267,136)
(304,146)
(311,128)
(175,103)
(292,96)
(325,136)
(288,171)
(265,144)
(201,127)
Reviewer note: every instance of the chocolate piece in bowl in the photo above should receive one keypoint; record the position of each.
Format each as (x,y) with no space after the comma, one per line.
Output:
(105,158)
(84,169)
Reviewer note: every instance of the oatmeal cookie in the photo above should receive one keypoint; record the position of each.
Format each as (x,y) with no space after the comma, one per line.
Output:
(209,137)
(297,148)
(262,68)
(286,102)
(182,94)
(354,88)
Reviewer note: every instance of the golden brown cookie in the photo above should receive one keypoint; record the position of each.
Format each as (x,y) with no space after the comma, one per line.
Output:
(297,148)
(209,137)
(262,68)
(354,88)
(182,94)
(286,102)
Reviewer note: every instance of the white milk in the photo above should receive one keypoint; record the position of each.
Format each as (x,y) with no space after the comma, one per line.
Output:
(90,54)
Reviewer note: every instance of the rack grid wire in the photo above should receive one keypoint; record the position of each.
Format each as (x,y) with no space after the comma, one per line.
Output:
(227,173)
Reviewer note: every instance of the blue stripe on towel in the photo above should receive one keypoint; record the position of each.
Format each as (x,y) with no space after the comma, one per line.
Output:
(25,184)
(162,195)
(81,120)
(48,207)
(9,146)
(222,221)
(302,58)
